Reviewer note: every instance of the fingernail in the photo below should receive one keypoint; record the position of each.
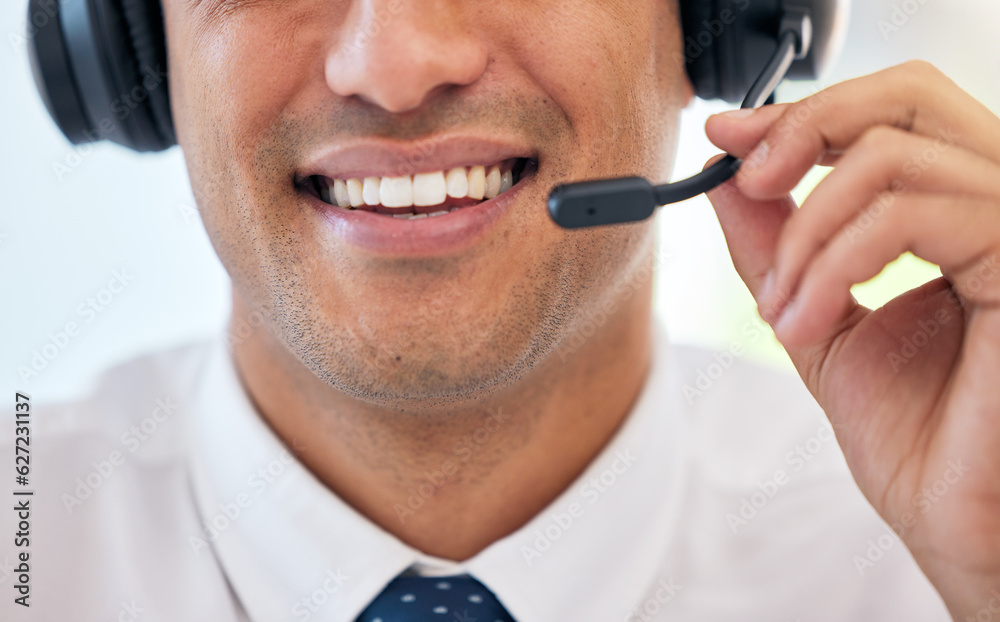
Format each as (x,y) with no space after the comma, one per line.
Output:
(738,114)
(753,162)
(765,289)
(788,318)
(759,154)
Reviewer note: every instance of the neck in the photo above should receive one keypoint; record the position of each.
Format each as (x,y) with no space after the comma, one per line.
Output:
(452,481)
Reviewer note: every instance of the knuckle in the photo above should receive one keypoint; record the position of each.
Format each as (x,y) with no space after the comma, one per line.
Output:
(877,142)
(874,220)
(827,266)
(800,240)
(919,80)
(830,263)
(884,216)
(980,281)
(799,116)
(921,70)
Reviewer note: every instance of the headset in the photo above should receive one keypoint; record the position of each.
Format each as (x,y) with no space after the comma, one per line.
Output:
(101,70)
(730,47)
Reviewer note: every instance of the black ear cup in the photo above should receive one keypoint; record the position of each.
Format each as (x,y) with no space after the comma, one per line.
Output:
(699,49)
(728,42)
(144,20)
(50,67)
(101,69)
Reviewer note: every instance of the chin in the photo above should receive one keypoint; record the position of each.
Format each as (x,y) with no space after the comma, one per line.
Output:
(410,373)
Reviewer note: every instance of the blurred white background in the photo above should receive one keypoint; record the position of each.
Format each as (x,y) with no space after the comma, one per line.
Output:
(63,236)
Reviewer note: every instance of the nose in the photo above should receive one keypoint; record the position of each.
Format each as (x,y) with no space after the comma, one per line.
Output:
(396,53)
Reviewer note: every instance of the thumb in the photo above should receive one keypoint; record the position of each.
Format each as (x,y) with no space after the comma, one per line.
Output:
(751,229)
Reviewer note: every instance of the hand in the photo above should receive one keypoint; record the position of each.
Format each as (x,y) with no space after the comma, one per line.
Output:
(912,388)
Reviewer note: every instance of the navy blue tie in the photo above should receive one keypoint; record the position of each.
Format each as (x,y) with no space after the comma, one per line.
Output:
(411,598)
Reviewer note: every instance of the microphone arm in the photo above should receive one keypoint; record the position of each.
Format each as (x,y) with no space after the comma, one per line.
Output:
(631,199)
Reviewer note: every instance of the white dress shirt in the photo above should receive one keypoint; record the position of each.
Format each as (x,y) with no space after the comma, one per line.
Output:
(723,497)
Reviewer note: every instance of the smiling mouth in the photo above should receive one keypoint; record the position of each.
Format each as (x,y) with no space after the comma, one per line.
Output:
(428,194)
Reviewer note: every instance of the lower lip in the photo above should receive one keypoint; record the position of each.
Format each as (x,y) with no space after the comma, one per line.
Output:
(433,235)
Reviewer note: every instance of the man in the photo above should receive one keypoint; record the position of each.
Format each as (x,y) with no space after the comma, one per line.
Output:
(479,395)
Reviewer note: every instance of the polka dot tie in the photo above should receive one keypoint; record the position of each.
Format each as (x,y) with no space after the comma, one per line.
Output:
(435,599)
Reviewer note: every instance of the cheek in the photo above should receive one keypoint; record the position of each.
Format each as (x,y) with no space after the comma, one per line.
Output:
(612,69)
(231,79)
(235,74)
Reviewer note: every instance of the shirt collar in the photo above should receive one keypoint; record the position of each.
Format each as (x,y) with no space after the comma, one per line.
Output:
(290,546)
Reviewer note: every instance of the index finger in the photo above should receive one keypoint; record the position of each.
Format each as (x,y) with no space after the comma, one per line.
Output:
(915,97)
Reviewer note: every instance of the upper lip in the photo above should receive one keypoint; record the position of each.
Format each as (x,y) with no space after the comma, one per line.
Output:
(383,157)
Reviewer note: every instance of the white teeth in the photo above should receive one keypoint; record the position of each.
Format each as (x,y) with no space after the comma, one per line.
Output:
(354,192)
(493,182)
(370,190)
(418,216)
(506,181)
(340,195)
(477,182)
(423,189)
(429,188)
(458,183)
(396,191)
